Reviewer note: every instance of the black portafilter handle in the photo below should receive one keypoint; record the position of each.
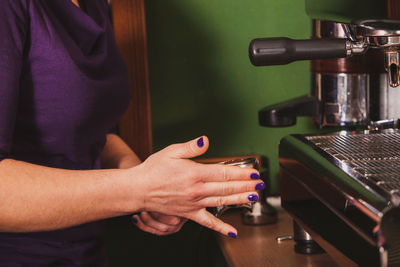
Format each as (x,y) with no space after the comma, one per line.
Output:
(282,50)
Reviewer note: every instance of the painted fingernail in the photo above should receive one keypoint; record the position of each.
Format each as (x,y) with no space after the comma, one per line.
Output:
(200,142)
(134,220)
(253,197)
(232,234)
(254,176)
(260,186)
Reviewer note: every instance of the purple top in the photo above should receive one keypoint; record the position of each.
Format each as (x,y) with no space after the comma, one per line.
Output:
(63,86)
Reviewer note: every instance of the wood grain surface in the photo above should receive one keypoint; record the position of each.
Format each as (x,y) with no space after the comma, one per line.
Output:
(257,245)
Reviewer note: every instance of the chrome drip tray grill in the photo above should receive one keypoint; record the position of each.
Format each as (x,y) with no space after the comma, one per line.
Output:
(344,188)
(371,158)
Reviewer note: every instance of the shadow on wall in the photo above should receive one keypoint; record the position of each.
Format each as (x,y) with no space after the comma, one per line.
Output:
(179,111)
(191,247)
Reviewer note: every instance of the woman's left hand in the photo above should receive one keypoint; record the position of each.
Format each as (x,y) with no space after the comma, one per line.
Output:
(117,154)
(158,223)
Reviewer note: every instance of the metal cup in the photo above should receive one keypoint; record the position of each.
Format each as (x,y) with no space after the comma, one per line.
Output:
(250,162)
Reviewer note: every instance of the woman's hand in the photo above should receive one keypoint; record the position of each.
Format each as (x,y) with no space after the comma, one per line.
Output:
(117,154)
(172,184)
(158,223)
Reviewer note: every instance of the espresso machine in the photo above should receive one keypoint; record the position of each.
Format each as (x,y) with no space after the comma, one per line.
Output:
(342,186)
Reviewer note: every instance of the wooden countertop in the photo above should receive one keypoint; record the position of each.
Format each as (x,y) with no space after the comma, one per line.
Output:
(257,245)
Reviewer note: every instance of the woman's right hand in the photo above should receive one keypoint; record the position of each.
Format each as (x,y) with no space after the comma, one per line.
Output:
(173,184)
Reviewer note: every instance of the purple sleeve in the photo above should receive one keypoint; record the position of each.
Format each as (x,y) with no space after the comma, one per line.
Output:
(13,29)
(113,130)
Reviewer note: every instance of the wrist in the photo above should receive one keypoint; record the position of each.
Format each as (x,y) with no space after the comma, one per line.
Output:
(130,191)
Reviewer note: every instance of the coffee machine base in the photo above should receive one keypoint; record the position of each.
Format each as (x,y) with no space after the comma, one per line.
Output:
(344,189)
(335,237)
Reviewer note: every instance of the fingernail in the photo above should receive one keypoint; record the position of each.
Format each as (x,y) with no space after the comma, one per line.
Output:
(200,142)
(254,176)
(134,220)
(253,197)
(232,234)
(260,186)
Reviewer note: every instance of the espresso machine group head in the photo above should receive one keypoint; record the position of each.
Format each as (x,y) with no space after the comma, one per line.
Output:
(342,88)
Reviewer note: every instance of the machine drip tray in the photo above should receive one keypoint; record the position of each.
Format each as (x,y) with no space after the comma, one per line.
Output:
(323,224)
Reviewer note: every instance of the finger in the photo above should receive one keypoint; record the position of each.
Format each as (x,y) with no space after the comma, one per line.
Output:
(235,199)
(137,222)
(231,188)
(174,223)
(220,172)
(208,220)
(166,219)
(191,149)
(149,221)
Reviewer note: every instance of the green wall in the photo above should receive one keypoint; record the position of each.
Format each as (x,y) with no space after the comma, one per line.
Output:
(202,81)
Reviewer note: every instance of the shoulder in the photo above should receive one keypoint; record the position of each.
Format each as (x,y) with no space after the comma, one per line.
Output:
(14,25)
(14,4)
(15,8)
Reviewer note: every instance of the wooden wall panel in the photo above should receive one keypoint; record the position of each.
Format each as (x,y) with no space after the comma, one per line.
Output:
(130,32)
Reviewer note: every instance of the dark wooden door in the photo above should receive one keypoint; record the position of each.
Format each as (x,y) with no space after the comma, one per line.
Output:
(130,32)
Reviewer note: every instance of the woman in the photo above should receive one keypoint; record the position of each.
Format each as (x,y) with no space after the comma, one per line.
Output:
(63,87)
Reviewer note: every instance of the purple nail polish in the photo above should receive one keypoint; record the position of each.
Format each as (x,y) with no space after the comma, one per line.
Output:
(253,197)
(200,142)
(231,234)
(260,186)
(134,220)
(254,176)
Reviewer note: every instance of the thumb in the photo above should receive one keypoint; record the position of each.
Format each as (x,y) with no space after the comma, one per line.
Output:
(191,149)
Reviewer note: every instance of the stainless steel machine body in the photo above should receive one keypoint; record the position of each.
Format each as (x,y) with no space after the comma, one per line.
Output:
(355,73)
(351,94)
(344,189)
